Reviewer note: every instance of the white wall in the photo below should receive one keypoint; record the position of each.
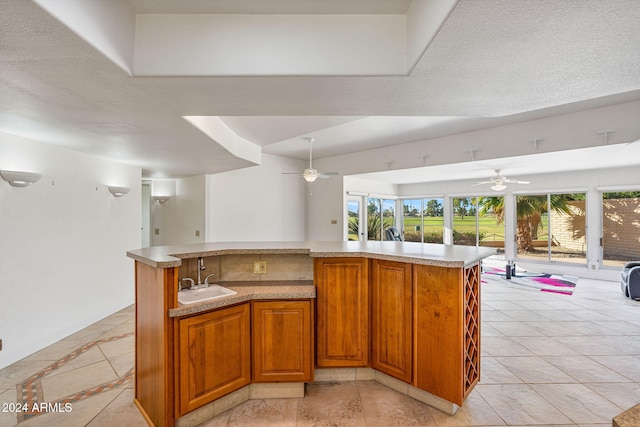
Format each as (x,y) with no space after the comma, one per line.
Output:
(63,262)
(325,210)
(258,203)
(271,44)
(163,215)
(191,204)
(178,219)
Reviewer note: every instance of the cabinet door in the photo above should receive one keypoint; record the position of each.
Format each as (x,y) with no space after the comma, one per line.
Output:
(214,355)
(391,318)
(342,296)
(282,341)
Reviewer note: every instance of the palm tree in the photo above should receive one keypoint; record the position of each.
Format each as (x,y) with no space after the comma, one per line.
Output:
(529,212)
(492,205)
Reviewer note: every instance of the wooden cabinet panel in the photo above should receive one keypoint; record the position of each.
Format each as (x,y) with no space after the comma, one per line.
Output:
(154,384)
(282,341)
(342,295)
(438,326)
(391,330)
(214,355)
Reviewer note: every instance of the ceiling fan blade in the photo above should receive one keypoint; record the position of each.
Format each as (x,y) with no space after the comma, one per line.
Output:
(291,173)
(500,181)
(325,175)
(515,181)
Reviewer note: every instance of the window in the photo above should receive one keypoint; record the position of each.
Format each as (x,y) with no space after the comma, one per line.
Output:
(412,220)
(423,220)
(353,219)
(433,220)
(465,226)
(479,221)
(381,214)
(620,228)
(388,214)
(551,227)
(374,219)
(491,222)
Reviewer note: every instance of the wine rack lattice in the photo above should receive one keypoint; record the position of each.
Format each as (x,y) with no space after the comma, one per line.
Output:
(472,327)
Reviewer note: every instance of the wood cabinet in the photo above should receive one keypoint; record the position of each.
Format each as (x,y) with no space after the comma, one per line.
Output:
(154,355)
(342,295)
(447,330)
(426,334)
(214,356)
(282,341)
(391,330)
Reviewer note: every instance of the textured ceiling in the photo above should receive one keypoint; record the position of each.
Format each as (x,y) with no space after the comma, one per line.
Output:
(492,63)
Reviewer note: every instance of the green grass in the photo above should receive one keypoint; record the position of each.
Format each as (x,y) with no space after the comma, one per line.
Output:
(488,225)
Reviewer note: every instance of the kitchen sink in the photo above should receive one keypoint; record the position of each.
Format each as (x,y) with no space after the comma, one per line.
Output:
(204,294)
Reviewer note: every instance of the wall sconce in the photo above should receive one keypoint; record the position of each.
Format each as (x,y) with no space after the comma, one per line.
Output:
(118,191)
(160,199)
(20,179)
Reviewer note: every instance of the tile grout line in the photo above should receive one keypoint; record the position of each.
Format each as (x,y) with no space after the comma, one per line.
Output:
(30,393)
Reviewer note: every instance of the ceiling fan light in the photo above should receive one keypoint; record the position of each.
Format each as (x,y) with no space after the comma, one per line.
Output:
(310,175)
(498,187)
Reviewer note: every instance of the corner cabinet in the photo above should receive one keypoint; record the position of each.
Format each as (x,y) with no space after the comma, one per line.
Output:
(391,331)
(342,295)
(214,356)
(282,341)
(447,330)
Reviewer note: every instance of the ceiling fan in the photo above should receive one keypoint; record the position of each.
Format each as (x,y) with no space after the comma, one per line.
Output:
(499,181)
(310,174)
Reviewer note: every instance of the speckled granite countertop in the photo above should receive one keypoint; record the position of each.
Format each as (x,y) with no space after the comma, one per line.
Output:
(247,291)
(629,418)
(415,253)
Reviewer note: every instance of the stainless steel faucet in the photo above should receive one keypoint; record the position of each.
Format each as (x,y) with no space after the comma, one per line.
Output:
(189,280)
(201,267)
(199,284)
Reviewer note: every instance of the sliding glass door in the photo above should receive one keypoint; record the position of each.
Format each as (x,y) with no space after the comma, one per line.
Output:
(478,221)
(620,228)
(551,227)
(491,222)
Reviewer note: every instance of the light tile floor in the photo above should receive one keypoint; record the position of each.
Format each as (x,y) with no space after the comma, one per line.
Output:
(548,360)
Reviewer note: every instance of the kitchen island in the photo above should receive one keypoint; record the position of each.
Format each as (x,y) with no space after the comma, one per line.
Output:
(404,314)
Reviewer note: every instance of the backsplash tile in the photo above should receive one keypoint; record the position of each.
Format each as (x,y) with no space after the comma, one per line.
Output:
(288,267)
(235,268)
